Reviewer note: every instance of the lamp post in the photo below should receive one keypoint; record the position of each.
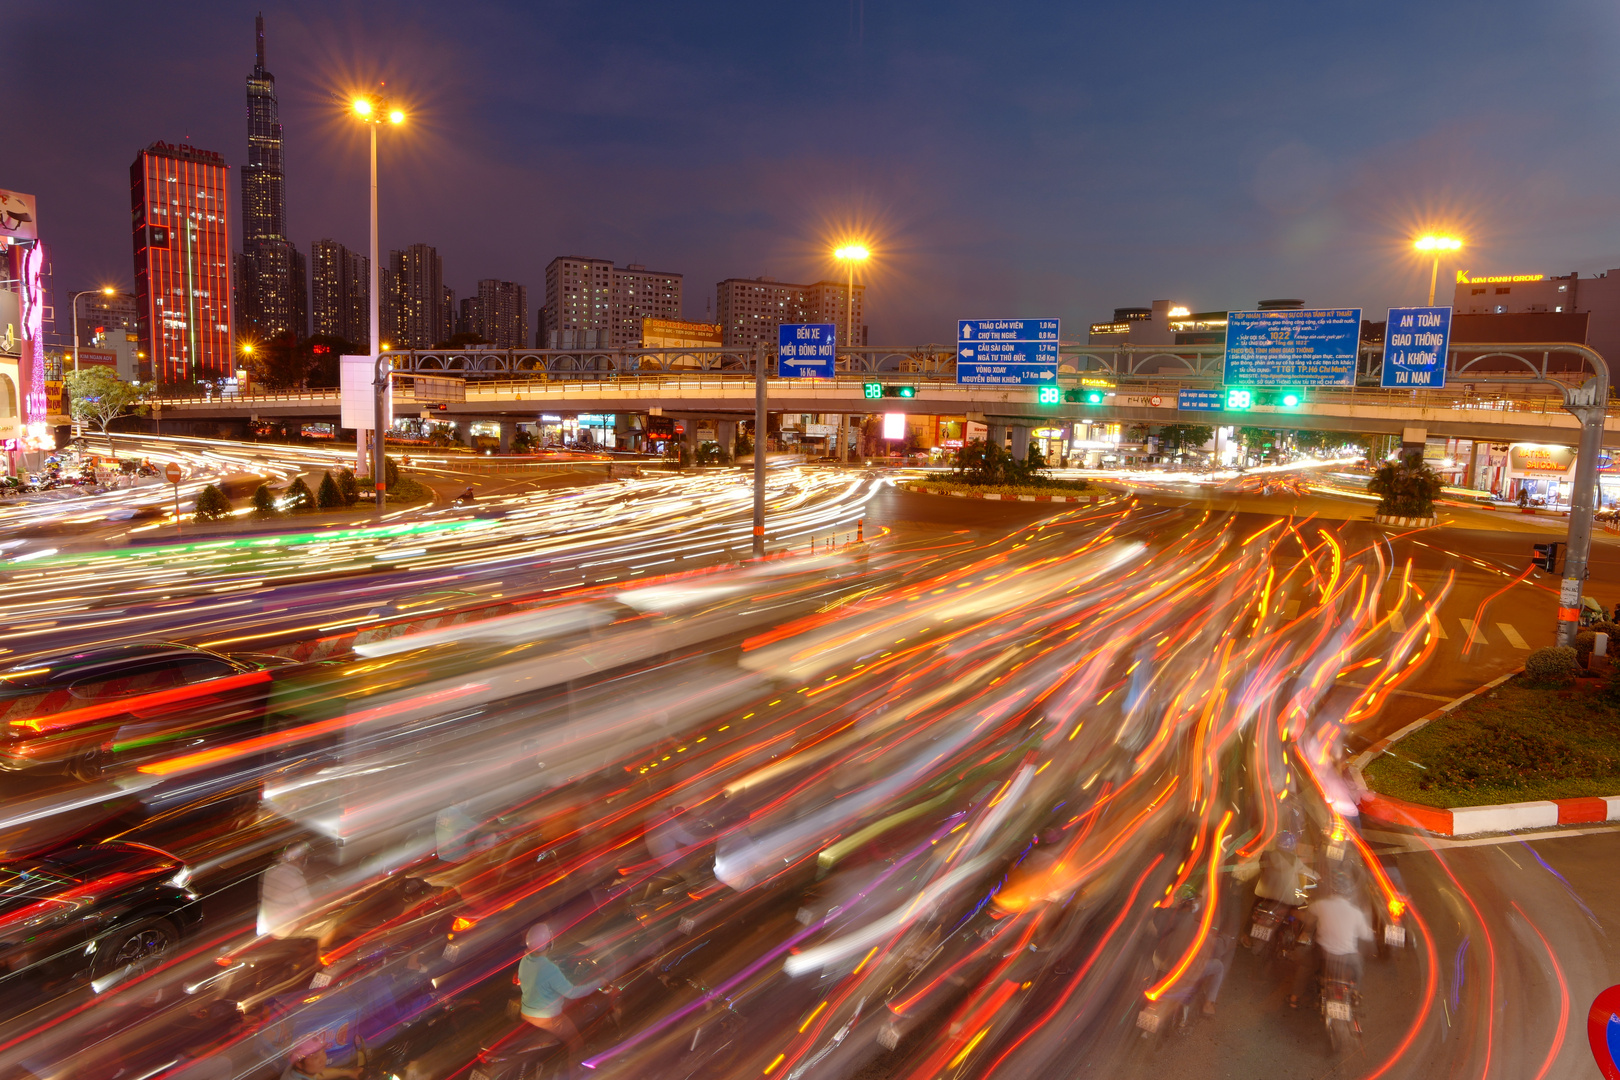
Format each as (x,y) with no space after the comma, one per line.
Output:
(105,290)
(1436,244)
(849,254)
(372,114)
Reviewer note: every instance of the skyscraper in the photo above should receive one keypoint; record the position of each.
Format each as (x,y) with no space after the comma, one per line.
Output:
(182,261)
(341,293)
(752,308)
(99,315)
(590,303)
(499,313)
(272,278)
(415,304)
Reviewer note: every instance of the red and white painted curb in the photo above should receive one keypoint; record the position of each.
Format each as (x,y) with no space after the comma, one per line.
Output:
(1092,499)
(1472,820)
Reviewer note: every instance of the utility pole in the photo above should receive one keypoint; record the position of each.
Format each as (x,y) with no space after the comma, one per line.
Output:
(759,451)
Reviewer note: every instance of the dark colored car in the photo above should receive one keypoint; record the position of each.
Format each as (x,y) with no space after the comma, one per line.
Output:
(87,911)
(83,711)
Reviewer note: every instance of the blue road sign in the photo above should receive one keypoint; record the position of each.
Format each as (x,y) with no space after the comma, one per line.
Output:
(806,350)
(1415,341)
(1292,348)
(1201,400)
(1006,352)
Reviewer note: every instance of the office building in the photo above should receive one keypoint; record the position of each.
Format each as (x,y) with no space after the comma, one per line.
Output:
(499,314)
(415,301)
(101,316)
(340,293)
(1540,307)
(179,205)
(590,303)
(752,308)
(271,282)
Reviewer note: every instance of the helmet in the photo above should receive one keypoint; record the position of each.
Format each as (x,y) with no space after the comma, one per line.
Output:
(1287,841)
(1186,896)
(1340,882)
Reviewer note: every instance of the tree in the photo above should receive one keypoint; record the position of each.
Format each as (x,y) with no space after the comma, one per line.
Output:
(328,497)
(97,395)
(212,505)
(742,446)
(984,463)
(1179,437)
(284,364)
(390,473)
(264,503)
(1407,488)
(299,496)
(349,486)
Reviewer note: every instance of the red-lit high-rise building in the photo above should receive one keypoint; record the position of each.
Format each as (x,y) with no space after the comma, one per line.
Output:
(182,263)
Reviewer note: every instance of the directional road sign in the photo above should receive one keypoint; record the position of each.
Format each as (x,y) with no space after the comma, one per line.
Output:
(1292,348)
(1200,400)
(806,350)
(1415,340)
(1006,352)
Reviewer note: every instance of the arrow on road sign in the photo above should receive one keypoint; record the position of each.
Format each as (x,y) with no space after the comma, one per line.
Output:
(967,352)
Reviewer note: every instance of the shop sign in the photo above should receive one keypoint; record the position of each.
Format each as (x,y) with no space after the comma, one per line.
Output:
(1540,459)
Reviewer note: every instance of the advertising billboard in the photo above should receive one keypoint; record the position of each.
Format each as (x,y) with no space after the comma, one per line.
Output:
(1292,347)
(17,216)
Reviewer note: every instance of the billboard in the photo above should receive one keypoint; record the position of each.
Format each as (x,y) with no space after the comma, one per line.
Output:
(1415,340)
(1292,347)
(358,408)
(17,216)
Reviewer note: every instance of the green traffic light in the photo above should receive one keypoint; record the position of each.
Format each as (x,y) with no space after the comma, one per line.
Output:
(1094,397)
(873,389)
(1048,395)
(1239,399)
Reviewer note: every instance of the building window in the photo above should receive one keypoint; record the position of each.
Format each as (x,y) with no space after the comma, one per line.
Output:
(1560,307)
(1503,290)
(1478,292)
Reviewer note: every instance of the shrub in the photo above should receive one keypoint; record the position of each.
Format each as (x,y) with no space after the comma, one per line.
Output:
(742,446)
(327,496)
(348,486)
(212,505)
(1406,488)
(264,503)
(300,498)
(982,463)
(390,472)
(1554,665)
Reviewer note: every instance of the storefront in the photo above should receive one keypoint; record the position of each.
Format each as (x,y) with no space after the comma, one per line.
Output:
(1539,474)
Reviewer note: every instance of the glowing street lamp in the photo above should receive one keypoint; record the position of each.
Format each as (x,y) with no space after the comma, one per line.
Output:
(1437,245)
(852,254)
(371,113)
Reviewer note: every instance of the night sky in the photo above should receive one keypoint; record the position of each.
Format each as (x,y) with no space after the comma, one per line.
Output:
(1004,159)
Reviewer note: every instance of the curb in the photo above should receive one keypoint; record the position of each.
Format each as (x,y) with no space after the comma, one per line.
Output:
(1092,499)
(1472,820)
(1407,522)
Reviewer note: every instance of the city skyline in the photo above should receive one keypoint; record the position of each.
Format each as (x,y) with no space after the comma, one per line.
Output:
(1068,186)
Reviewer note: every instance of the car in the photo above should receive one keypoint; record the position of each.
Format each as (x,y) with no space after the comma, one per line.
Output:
(80,712)
(90,910)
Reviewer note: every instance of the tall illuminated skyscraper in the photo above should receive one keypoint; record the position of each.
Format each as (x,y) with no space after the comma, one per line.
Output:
(272,274)
(179,210)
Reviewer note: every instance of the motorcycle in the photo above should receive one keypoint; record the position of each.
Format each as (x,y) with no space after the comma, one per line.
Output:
(1341,999)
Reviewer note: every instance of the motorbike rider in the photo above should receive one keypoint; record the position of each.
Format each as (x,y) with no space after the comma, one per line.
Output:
(1178,928)
(1282,877)
(1341,924)
(309,1063)
(285,902)
(546,989)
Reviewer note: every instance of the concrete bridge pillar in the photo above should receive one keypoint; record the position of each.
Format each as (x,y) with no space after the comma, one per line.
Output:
(508,429)
(996,435)
(1020,443)
(621,430)
(725,433)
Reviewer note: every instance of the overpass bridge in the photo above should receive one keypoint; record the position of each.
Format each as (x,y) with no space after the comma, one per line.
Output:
(1502,392)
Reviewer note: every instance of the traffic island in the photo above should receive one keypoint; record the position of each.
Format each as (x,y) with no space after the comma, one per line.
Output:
(1398,522)
(1057,491)
(1514,754)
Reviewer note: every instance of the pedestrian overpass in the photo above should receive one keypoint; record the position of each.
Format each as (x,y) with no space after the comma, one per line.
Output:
(1512,392)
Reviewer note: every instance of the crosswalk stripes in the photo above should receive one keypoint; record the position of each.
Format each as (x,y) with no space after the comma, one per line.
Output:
(1472,633)
(1439,628)
(1512,636)
(1397,622)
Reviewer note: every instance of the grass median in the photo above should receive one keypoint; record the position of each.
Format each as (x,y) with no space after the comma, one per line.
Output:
(1520,742)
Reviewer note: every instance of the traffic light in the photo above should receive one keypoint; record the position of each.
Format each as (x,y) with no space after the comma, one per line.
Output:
(1239,399)
(873,390)
(1048,395)
(905,391)
(1244,398)
(1544,556)
(1089,396)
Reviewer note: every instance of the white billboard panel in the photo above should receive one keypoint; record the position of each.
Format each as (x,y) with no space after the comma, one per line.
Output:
(358,405)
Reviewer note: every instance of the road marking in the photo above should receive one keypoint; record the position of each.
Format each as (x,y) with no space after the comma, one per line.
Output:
(1397,622)
(1439,629)
(1414,842)
(1472,632)
(1512,636)
(1403,693)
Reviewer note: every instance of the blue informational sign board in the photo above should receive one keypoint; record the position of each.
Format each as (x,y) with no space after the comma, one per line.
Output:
(1292,348)
(806,350)
(1201,400)
(1415,342)
(1006,352)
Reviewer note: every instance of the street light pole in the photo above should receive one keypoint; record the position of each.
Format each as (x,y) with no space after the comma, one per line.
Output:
(377,463)
(105,290)
(850,254)
(760,424)
(1434,276)
(1436,244)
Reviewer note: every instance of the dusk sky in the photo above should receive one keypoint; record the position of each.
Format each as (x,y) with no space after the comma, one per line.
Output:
(1013,159)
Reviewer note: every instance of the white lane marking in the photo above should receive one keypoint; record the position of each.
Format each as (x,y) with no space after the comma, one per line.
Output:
(1512,636)
(1397,622)
(1412,842)
(1472,632)
(1439,628)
